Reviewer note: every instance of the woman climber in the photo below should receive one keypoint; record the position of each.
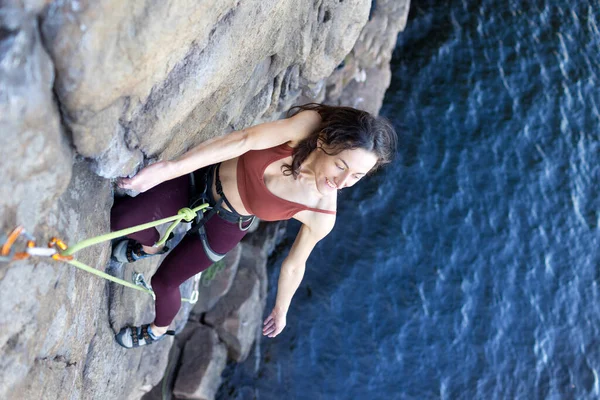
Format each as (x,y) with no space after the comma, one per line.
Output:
(291,168)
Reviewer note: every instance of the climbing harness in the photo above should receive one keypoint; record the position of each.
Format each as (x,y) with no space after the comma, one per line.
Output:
(205,196)
(60,251)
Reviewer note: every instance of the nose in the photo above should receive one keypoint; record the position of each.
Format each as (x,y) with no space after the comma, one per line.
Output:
(342,180)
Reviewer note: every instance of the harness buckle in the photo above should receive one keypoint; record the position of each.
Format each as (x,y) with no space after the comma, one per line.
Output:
(241,221)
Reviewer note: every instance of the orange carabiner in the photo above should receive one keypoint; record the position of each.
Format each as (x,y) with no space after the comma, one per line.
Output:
(12,237)
(21,256)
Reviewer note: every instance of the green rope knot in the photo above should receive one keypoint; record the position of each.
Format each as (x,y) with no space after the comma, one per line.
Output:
(187,213)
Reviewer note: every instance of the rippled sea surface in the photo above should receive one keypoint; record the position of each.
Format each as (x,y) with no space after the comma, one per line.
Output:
(469,269)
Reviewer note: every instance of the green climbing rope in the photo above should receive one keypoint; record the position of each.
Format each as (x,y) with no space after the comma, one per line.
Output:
(186,214)
(66,253)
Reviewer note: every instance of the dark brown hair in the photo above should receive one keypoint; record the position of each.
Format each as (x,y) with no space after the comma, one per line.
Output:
(345,128)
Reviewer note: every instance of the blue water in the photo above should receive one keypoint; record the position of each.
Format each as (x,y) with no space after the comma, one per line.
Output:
(469,268)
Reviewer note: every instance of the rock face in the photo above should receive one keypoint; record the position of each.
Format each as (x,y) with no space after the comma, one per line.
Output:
(237,316)
(204,358)
(133,85)
(91,90)
(36,159)
(366,74)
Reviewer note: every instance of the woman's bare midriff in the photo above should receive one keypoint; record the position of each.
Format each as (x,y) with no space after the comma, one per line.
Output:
(228,177)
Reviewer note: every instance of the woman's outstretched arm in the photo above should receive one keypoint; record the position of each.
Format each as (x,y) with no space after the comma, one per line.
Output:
(224,148)
(292,271)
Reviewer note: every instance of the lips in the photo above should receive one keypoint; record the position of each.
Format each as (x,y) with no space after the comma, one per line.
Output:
(330,184)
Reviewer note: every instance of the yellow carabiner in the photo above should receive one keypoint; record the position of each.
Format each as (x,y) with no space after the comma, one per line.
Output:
(59,257)
(58,243)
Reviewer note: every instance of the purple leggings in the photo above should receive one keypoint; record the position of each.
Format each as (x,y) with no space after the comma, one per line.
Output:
(188,258)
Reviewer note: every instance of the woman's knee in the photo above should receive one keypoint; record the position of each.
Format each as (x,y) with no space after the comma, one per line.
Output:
(161,285)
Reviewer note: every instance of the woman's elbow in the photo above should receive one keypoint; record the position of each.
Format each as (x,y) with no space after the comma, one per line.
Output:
(294,268)
(243,140)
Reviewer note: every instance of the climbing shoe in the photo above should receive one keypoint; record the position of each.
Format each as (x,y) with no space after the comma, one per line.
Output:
(128,251)
(136,336)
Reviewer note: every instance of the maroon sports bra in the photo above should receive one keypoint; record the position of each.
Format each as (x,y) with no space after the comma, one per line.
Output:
(255,195)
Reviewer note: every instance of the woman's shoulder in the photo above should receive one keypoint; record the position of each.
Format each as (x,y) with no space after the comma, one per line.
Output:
(323,212)
(310,117)
(304,124)
(320,224)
